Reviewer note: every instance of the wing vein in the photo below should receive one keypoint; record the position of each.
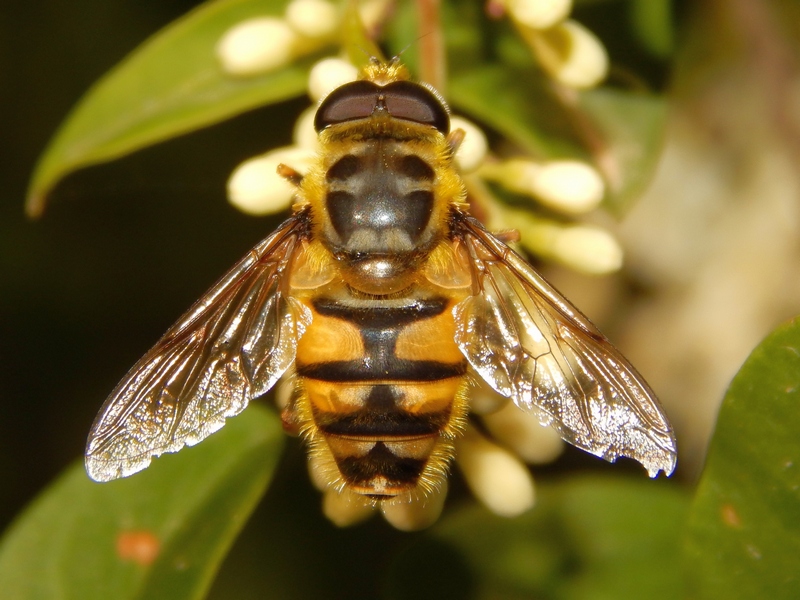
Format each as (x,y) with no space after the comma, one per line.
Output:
(562,367)
(230,343)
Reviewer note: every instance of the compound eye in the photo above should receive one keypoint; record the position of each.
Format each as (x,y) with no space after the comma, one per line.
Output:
(401,99)
(413,102)
(355,100)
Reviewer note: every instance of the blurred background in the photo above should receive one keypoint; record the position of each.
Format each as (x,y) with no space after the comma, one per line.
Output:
(712,249)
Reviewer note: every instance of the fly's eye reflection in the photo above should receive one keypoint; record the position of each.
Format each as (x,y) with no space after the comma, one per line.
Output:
(380,302)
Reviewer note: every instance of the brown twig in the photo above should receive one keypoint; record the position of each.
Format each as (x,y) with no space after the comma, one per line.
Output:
(432,56)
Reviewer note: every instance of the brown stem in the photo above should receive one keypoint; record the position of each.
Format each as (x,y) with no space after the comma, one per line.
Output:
(432,57)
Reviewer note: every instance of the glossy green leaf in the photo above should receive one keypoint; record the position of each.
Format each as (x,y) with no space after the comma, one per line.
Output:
(170,85)
(159,534)
(744,528)
(587,538)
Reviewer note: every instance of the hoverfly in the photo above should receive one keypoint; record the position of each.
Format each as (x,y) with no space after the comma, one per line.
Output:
(385,300)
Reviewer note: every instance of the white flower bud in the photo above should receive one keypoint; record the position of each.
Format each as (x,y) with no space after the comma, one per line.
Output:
(373,12)
(539,14)
(472,151)
(484,400)
(570,54)
(345,508)
(256,46)
(304,134)
(496,477)
(327,75)
(318,472)
(569,186)
(587,249)
(313,18)
(284,390)
(521,432)
(415,514)
(255,187)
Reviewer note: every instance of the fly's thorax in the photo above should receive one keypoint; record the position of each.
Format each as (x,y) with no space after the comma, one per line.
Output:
(381,195)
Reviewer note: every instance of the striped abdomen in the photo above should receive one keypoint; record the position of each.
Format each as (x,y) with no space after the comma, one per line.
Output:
(382,381)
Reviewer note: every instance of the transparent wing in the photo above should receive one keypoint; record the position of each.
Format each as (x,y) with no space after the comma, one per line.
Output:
(231,346)
(531,345)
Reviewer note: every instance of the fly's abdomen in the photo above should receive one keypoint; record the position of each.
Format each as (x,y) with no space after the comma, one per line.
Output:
(380,378)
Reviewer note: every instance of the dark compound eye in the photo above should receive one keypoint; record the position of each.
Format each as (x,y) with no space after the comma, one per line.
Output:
(413,102)
(401,99)
(355,100)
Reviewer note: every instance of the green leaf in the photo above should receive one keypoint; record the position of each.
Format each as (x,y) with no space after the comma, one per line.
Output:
(358,45)
(744,529)
(493,78)
(86,540)
(170,85)
(620,131)
(526,112)
(652,24)
(587,538)
(627,130)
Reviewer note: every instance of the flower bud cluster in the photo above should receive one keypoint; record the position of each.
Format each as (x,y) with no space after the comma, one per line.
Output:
(571,55)
(497,477)
(262,44)
(565,50)
(255,187)
(568,186)
(493,458)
